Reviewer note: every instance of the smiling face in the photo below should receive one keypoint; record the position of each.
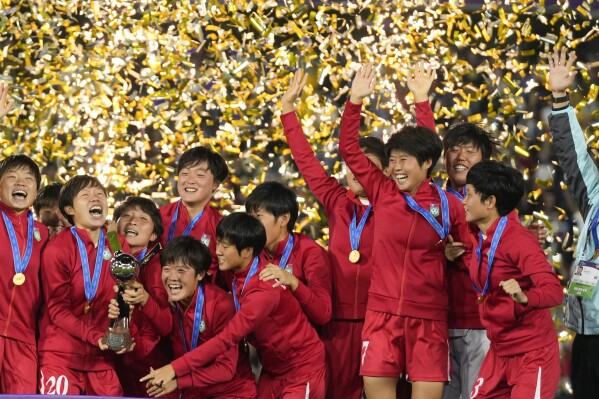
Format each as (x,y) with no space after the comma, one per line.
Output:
(276,227)
(180,282)
(353,183)
(137,228)
(53,219)
(89,209)
(458,161)
(229,258)
(18,188)
(196,185)
(407,173)
(481,213)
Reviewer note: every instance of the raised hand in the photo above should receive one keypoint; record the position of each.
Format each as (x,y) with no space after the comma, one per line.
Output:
(560,75)
(6,103)
(420,81)
(363,84)
(293,91)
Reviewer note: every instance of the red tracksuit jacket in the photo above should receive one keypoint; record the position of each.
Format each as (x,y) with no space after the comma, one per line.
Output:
(273,321)
(310,264)
(19,304)
(511,327)
(147,325)
(409,276)
(70,336)
(230,373)
(350,280)
(204,230)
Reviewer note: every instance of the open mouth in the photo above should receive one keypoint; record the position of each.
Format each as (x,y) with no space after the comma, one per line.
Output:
(401,178)
(175,289)
(190,190)
(131,232)
(460,168)
(96,211)
(19,194)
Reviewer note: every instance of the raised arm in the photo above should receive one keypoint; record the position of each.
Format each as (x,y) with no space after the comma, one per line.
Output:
(324,187)
(419,83)
(6,102)
(570,146)
(369,176)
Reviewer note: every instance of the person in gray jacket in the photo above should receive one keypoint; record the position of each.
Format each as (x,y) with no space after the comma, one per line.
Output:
(582,177)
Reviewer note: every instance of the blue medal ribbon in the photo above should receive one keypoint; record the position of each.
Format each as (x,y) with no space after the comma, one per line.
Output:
(443,231)
(90,284)
(141,255)
(286,252)
(451,190)
(190,226)
(494,244)
(356,231)
(197,321)
(20,264)
(253,270)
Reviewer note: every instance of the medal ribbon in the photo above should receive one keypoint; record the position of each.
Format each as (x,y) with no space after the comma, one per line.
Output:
(286,252)
(190,226)
(197,320)
(356,232)
(141,255)
(253,270)
(494,244)
(442,231)
(90,284)
(20,264)
(451,190)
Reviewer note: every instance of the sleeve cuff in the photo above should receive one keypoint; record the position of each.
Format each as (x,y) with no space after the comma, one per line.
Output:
(533,299)
(354,107)
(180,366)
(93,336)
(301,292)
(289,118)
(555,111)
(185,382)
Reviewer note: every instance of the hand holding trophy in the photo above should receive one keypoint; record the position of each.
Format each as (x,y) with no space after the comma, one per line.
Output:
(124,268)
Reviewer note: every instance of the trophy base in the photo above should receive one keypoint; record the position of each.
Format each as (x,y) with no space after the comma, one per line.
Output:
(117,338)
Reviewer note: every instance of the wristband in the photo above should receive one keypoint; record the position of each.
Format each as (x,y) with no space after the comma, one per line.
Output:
(562,99)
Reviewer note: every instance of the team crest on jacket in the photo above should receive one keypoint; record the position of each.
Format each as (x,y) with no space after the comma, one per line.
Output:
(205,239)
(434,210)
(202,326)
(37,235)
(107,254)
(289,268)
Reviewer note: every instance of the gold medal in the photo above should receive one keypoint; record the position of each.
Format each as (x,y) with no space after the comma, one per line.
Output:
(86,308)
(481,299)
(354,256)
(18,279)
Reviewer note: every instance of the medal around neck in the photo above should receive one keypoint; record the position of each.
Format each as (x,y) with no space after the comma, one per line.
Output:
(124,269)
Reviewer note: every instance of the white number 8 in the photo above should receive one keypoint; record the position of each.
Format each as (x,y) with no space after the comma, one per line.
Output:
(479,383)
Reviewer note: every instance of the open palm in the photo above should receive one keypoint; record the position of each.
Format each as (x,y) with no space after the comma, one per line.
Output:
(6,103)
(363,84)
(560,64)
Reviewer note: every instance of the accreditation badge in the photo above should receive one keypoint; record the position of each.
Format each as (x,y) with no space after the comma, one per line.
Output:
(106,255)
(584,280)
(435,210)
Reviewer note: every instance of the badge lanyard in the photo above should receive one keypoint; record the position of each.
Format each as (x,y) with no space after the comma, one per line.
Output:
(494,244)
(90,284)
(253,270)
(20,264)
(355,232)
(594,234)
(197,321)
(442,231)
(190,226)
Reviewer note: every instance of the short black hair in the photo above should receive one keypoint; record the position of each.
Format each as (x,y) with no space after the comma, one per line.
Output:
(375,146)
(18,161)
(275,199)
(147,206)
(417,141)
(490,178)
(214,162)
(47,197)
(70,190)
(470,133)
(189,251)
(243,231)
